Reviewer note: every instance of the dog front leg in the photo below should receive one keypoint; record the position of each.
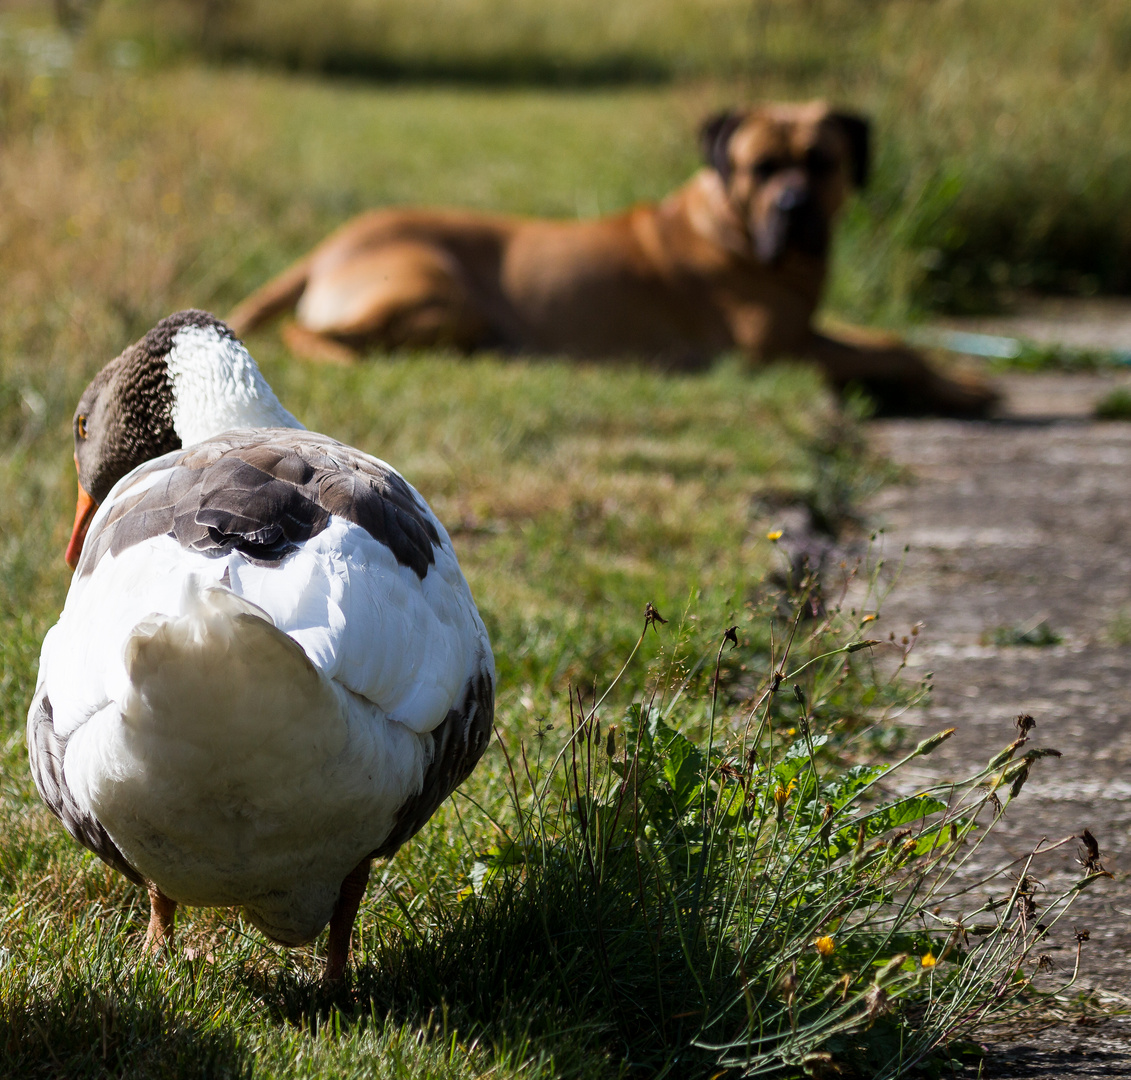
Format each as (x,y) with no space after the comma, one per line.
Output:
(900,379)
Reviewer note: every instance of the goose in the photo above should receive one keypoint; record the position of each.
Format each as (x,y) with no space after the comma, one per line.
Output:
(269,669)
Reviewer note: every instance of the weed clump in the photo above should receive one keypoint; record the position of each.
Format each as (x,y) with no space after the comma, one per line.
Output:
(699,886)
(1116,405)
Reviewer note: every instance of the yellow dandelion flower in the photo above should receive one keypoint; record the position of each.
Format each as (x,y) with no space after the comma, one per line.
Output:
(825,946)
(774,535)
(782,794)
(928,961)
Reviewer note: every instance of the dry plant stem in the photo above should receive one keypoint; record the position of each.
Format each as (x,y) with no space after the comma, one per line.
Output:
(162,912)
(341,922)
(578,727)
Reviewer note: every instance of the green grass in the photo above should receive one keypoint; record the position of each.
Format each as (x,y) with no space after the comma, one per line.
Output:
(1037,633)
(1115,405)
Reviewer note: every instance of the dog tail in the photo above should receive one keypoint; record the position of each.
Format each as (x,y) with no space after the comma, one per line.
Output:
(277,295)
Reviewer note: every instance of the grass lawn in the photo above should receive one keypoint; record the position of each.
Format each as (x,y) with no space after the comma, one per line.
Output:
(575,496)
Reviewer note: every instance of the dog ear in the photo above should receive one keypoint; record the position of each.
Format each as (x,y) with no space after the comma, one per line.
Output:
(858,131)
(714,134)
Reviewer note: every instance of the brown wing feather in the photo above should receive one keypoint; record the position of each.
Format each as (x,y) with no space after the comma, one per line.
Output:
(263,493)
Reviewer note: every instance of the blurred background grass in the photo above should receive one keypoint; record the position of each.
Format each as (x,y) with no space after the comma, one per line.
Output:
(1004,126)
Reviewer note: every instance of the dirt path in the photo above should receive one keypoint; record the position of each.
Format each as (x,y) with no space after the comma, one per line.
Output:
(1014,524)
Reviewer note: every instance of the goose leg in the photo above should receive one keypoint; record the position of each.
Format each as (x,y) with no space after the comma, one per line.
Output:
(341,922)
(162,911)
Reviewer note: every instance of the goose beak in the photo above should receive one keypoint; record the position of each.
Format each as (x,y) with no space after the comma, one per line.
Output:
(84,511)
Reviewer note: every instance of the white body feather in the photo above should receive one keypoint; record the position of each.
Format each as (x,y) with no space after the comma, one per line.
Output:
(251,745)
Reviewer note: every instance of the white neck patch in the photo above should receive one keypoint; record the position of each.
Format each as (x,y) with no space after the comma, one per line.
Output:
(217,386)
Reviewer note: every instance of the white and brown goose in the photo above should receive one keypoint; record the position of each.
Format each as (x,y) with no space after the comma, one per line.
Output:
(269,669)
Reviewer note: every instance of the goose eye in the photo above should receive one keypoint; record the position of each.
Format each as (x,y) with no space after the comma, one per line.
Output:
(80,425)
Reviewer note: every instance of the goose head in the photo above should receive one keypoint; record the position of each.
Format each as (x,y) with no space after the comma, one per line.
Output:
(188,379)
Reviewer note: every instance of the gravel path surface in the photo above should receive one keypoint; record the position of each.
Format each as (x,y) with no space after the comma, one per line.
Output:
(1017,525)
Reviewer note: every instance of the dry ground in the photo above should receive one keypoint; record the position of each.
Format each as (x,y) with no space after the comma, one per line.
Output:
(1011,523)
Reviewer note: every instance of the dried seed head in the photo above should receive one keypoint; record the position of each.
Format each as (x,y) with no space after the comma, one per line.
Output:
(652,616)
(876,1002)
(1088,855)
(1027,885)
(827,823)
(1025,723)
(731,635)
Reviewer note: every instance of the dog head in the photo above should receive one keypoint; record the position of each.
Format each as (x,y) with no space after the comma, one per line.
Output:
(787,170)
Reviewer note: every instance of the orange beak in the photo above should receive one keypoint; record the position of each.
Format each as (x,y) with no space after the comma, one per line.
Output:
(84,511)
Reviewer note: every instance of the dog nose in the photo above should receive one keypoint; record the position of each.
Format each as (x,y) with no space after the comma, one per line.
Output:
(792,198)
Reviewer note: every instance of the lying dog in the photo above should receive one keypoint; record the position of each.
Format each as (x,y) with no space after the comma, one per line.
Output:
(735,259)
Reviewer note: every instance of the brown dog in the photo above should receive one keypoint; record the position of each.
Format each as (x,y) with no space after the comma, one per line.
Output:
(735,259)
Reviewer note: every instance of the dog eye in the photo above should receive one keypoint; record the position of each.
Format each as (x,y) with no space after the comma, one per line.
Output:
(80,426)
(818,163)
(766,168)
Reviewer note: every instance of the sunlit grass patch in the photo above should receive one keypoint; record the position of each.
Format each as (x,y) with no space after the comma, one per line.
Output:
(671,873)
